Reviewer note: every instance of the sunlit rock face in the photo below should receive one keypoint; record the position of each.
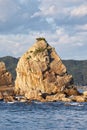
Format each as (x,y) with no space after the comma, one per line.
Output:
(5,76)
(41,73)
(6,82)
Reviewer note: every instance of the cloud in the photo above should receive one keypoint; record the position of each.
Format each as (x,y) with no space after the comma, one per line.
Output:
(16,44)
(23,16)
(46,11)
(63,23)
(65,44)
(79,11)
(62,12)
(81,27)
(50,9)
(16,14)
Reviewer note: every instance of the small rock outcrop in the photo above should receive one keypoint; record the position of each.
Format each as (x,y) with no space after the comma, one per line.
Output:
(6,82)
(41,75)
(5,76)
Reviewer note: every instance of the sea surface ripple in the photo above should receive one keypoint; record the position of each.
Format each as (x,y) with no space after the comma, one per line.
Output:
(43,116)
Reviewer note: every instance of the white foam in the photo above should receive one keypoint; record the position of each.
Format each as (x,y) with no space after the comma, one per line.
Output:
(74,104)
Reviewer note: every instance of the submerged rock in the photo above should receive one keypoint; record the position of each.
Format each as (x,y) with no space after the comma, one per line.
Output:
(41,75)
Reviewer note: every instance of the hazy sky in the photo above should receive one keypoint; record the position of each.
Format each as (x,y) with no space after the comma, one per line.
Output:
(62,22)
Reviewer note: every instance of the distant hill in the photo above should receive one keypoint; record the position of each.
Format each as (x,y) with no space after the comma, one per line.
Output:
(77,68)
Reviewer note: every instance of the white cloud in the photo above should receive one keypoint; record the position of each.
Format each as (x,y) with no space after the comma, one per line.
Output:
(17,44)
(64,43)
(81,27)
(21,21)
(50,10)
(45,11)
(79,11)
(54,7)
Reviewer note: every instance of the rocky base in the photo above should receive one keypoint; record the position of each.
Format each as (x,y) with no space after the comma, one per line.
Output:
(8,95)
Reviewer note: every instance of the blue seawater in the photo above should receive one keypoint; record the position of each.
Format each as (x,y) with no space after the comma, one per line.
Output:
(43,116)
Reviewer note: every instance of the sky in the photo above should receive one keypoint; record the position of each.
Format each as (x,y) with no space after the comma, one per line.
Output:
(62,22)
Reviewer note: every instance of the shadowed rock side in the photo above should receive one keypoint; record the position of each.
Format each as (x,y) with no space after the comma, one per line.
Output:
(6,82)
(41,75)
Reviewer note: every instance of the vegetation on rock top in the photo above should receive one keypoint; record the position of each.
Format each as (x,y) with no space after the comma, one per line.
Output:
(41,38)
(39,50)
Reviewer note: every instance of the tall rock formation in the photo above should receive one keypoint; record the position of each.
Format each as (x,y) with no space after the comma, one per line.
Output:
(41,74)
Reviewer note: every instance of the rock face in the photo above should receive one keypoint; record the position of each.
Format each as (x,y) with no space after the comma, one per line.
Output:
(41,74)
(5,76)
(6,82)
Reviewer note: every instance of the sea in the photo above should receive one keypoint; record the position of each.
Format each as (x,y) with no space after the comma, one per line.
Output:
(43,116)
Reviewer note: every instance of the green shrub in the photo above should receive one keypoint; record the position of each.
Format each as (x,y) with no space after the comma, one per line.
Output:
(41,38)
(39,50)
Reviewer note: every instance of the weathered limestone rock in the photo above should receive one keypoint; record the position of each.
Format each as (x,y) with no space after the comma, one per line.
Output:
(5,76)
(85,93)
(1,96)
(41,75)
(56,97)
(80,99)
(66,100)
(71,91)
(9,99)
(6,83)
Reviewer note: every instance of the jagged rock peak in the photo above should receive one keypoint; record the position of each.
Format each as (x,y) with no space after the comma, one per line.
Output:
(2,67)
(41,73)
(5,76)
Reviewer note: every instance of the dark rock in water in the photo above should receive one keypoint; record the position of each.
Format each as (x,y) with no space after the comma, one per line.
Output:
(40,71)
